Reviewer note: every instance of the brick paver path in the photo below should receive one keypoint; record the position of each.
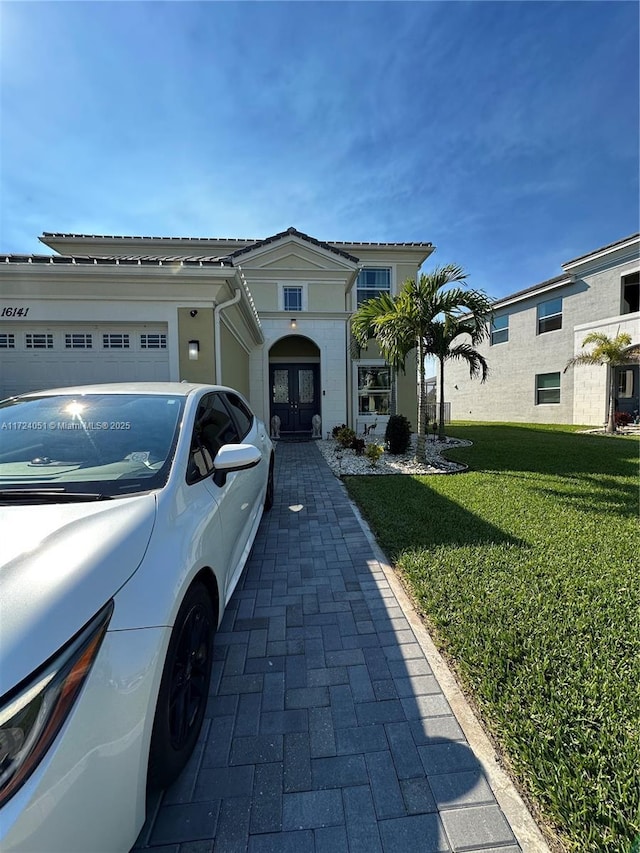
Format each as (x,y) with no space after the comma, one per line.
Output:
(326,729)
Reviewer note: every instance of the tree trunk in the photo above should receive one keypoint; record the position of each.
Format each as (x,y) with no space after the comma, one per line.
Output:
(611,418)
(441,409)
(421,445)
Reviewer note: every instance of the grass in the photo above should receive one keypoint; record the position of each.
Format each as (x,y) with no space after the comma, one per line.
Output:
(527,568)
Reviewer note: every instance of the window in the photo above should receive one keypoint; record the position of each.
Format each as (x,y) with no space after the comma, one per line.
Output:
(115,341)
(292,298)
(213,428)
(550,315)
(631,293)
(7,340)
(500,330)
(153,341)
(38,340)
(625,383)
(78,340)
(241,414)
(374,390)
(547,388)
(372,282)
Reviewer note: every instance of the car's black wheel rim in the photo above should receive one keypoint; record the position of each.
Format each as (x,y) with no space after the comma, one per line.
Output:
(190,676)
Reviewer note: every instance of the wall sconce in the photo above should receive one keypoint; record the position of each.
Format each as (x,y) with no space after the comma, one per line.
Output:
(194,350)
(293,323)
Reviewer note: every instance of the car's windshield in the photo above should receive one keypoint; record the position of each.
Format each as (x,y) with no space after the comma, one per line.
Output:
(111,444)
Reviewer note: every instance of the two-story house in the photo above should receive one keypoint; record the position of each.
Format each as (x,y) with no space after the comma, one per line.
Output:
(536,331)
(268,317)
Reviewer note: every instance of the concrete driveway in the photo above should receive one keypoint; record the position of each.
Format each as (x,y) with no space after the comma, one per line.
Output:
(327,729)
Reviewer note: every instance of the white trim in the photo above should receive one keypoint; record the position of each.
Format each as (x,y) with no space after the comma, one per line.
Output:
(532,294)
(587,259)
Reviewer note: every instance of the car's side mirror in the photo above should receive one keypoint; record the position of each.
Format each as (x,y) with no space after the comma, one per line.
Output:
(234,457)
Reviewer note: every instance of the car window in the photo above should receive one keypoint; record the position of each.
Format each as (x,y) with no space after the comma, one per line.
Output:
(120,443)
(213,427)
(241,413)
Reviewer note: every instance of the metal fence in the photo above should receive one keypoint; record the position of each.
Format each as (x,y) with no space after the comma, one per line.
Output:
(433,412)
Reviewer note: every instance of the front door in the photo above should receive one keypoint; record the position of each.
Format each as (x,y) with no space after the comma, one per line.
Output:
(295,395)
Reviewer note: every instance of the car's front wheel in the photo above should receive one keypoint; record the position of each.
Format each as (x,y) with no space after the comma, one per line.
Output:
(184,688)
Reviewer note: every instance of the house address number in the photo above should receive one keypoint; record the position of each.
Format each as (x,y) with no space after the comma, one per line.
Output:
(14,311)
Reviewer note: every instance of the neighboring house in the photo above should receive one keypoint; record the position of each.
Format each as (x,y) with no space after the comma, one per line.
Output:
(536,331)
(268,317)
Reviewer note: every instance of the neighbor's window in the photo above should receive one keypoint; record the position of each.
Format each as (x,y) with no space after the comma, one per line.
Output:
(500,330)
(625,383)
(547,388)
(550,315)
(292,298)
(631,293)
(374,390)
(372,281)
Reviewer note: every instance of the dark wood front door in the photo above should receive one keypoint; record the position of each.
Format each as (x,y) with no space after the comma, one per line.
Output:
(295,395)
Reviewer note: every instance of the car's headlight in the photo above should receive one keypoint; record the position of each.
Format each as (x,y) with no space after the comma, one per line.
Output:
(32,713)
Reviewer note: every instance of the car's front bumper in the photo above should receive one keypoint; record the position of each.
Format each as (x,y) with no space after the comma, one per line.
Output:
(88,793)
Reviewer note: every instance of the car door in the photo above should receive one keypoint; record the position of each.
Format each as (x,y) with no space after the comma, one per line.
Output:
(246,488)
(234,494)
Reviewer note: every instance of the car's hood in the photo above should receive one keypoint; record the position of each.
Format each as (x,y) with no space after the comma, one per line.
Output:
(59,564)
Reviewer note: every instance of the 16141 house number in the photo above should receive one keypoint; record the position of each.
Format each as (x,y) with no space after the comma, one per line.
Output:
(14,311)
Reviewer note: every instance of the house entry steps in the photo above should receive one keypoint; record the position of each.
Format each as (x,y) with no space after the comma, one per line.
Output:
(326,729)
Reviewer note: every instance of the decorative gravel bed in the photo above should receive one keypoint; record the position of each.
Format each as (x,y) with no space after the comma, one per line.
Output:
(346,462)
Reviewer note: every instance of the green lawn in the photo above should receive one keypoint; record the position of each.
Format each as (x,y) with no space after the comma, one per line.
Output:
(528,569)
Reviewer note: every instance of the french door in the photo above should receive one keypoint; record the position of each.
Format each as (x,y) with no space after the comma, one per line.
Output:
(295,395)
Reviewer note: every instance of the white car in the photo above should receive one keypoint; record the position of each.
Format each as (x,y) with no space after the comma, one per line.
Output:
(127,513)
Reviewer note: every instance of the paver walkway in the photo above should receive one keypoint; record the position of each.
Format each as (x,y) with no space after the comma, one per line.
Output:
(326,729)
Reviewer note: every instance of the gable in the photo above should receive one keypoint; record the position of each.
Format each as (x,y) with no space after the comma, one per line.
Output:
(291,252)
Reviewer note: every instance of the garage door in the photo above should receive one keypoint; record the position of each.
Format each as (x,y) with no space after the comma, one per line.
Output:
(42,356)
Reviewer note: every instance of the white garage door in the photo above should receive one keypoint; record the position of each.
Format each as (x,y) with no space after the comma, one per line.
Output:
(42,356)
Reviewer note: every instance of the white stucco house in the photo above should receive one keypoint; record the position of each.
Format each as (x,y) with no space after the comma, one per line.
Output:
(536,331)
(269,317)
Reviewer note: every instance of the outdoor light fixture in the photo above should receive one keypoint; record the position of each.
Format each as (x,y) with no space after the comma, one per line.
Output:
(194,349)
(293,323)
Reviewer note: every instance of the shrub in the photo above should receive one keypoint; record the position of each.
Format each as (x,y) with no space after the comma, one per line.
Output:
(373,452)
(345,436)
(622,418)
(336,429)
(398,434)
(358,445)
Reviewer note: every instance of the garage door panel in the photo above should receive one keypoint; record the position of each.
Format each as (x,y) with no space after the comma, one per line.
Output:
(57,355)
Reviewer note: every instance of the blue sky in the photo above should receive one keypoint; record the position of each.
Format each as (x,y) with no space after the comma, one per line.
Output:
(504,133)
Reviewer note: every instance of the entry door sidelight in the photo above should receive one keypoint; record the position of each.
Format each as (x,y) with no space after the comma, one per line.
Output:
(295,395)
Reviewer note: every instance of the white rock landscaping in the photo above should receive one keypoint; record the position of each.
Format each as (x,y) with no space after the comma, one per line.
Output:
(345,462)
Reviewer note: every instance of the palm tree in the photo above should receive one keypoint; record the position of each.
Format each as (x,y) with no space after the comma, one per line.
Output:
(614,352)
(443,334)
(405,322)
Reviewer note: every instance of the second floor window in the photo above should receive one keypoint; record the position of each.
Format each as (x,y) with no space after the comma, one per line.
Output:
(500,330)
(631,293)
(372,281)
(550,315)
(292,298)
